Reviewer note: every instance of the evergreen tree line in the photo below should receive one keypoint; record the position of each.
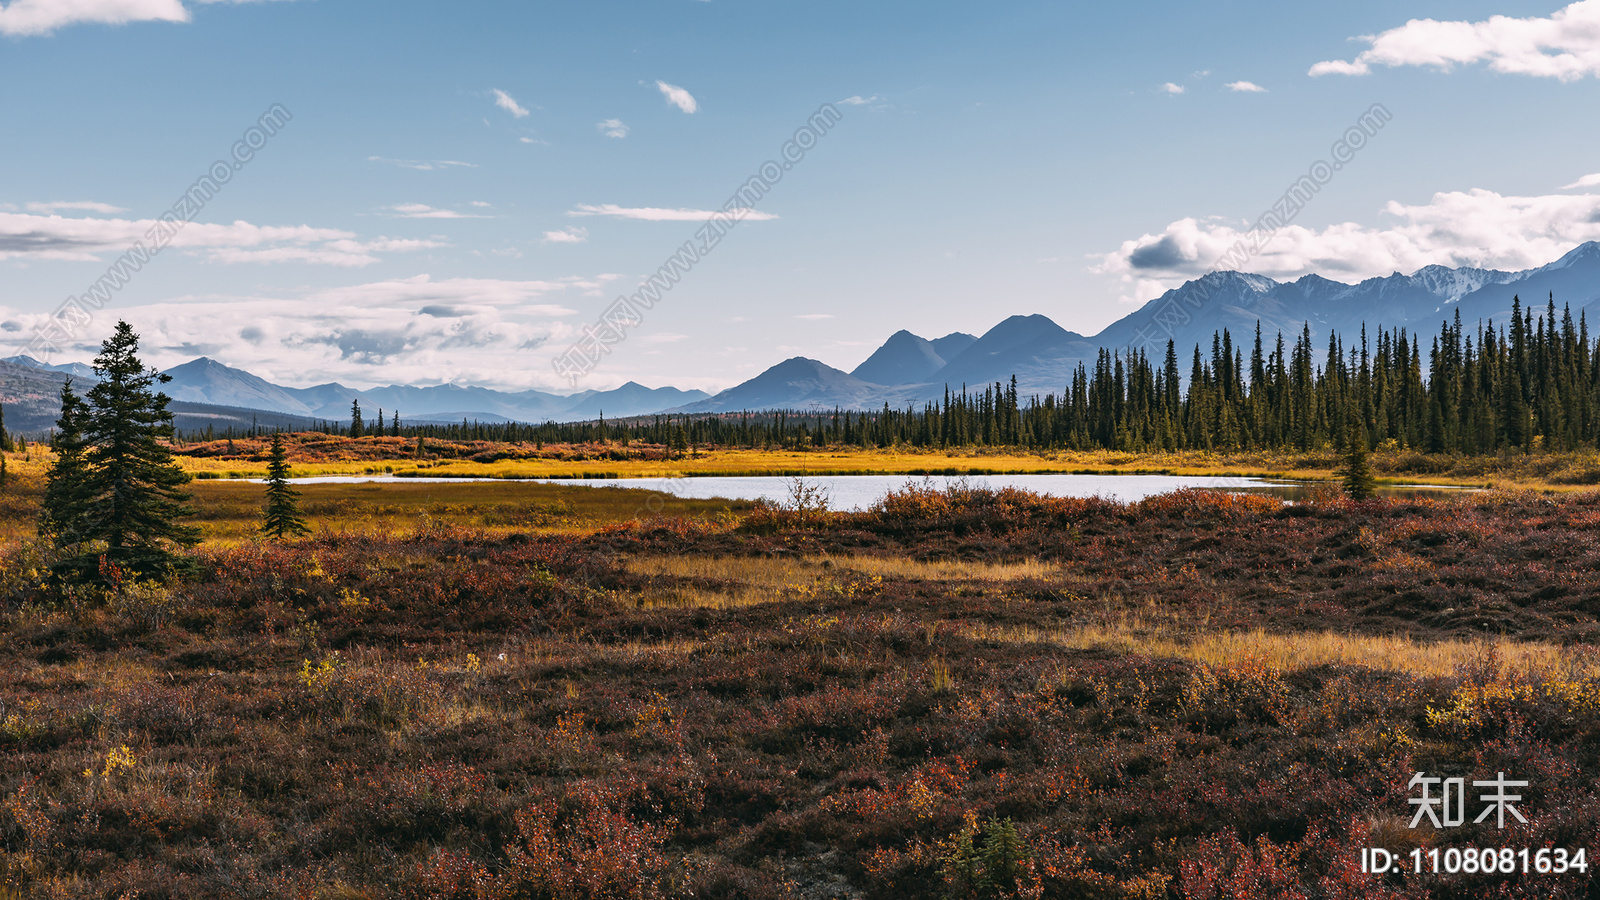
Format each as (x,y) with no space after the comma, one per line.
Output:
(1533,382)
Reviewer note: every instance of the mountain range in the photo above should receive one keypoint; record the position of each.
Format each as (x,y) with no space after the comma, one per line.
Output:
(209,382)
(1043,355)
(907,368)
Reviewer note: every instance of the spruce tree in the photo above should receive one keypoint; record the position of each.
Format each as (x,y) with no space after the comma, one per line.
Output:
(134,490)
(356,426)
(64,509)
(5,436)
(281,517)
(1358,481)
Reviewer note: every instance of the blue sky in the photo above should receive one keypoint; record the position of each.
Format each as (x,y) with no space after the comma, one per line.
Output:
(421,218)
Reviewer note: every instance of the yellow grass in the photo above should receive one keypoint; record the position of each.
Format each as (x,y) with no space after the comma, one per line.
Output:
(1549,471)
(741,581)
(230,511)
(706,463)
(1552,471)
(1304,650)
(734,582)
(779,572)
(951,570)
(1155,631)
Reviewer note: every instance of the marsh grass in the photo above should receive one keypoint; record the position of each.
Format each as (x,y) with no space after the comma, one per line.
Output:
(1150,630)
(729,582)
(230,511)
(1302,650)
(328,455)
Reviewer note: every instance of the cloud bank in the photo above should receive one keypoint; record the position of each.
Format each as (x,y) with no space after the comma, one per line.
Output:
(657,214)
(418,330)
(54,237)
(1566,45)
(31,18)
(1456,228)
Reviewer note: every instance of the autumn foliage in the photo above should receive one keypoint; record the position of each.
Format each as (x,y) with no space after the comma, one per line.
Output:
(907,702)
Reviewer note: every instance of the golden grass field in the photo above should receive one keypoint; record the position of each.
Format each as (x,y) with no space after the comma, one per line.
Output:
(229,511)
(228,504)
(733,463)
(739,582)
(381,456)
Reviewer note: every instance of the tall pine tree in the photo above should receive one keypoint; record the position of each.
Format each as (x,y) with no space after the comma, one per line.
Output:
(134,489)
(64,515)
(281,517)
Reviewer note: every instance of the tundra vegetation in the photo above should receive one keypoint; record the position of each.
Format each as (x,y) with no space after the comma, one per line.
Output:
(530,691)
(959,692)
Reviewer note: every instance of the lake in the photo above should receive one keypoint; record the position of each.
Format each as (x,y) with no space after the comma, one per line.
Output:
(856,492)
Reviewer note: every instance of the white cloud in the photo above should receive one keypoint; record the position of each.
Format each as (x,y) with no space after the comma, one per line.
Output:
(423,165)
(35,17)
(1338,67)
(678,97)
(510,105)
(424,211)
(656,214)
(421,290)
(1171,88)
(418,330)
(24,236)
(1245,87)
(1585,181)
(83,205)
(815,316)
(481,204)
(1456,228)
(859,100)
(566,236)
(613,128)
(1565,46)
(23,18)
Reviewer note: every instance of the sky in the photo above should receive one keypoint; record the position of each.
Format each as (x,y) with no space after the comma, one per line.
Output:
(425,193)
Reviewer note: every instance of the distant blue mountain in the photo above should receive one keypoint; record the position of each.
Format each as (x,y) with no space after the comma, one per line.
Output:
(1042,355)
(207,382)
(632,399)
(908,359)
(796,383)
(908,369)
(80,372)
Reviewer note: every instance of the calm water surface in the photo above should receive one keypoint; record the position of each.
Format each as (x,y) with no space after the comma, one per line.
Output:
(855,492)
